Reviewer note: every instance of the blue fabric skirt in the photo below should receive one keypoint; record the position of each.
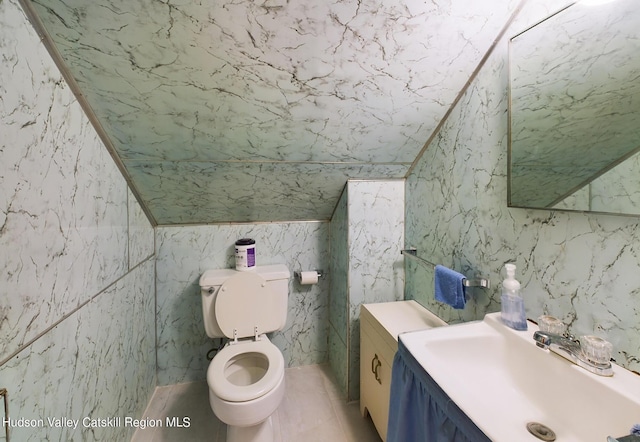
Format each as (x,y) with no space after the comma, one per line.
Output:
(420,411)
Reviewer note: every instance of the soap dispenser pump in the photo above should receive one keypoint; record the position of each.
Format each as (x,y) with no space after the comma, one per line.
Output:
(513,314)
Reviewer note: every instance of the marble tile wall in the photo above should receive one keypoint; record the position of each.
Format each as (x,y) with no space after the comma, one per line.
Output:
(184,253)
(583,268)
(376,273)
(339,300)
(370,218)
(76,256)
(96,365)
(203,192)
(615,191)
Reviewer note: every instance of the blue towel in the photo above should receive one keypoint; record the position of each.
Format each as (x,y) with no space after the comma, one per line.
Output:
(449,287)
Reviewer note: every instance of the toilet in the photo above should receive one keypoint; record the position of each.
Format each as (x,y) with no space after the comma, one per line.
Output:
(246,377)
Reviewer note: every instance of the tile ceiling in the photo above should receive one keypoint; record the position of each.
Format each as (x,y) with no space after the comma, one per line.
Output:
(251,111)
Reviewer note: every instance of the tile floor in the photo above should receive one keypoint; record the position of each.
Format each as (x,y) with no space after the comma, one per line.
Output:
(312,411)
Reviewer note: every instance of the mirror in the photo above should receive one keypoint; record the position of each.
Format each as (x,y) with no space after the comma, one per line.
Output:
(574,111)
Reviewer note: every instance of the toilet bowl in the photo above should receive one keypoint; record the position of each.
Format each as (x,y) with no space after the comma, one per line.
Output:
(246,378)
(246,382)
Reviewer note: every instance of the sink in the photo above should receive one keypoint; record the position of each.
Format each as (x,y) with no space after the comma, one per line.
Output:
(502,381)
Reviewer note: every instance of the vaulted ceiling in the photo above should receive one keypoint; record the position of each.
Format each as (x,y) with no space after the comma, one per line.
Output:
(251,111)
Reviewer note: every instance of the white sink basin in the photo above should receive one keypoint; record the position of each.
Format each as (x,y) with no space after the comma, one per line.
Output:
(502,381)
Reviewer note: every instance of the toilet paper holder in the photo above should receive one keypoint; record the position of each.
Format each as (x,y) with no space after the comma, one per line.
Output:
(298,274)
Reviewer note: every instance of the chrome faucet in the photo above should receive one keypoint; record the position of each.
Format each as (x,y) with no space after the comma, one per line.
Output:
(569,348)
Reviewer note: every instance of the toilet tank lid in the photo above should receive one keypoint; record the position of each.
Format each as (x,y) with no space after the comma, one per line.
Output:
(217,277)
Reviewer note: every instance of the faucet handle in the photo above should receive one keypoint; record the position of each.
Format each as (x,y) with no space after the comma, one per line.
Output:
(596,349)
(551,324)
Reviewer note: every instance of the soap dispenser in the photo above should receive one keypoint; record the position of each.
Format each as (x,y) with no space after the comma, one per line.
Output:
(513,314)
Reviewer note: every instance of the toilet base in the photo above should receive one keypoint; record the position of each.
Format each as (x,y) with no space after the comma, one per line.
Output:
(262,432)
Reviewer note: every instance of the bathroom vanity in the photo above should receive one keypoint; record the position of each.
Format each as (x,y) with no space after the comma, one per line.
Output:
(483,381)
(380,325)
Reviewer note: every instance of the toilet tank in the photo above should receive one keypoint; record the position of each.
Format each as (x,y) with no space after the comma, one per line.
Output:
(277,278)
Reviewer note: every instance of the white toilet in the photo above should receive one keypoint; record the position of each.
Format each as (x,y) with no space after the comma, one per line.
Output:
(246,377)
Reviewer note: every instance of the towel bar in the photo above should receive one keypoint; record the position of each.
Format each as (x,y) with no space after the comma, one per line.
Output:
(481,282)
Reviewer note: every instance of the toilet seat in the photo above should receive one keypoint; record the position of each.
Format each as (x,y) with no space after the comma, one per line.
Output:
(228,391)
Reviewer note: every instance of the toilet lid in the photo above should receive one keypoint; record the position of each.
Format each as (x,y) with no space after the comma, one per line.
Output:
(244,302)
(228,391)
